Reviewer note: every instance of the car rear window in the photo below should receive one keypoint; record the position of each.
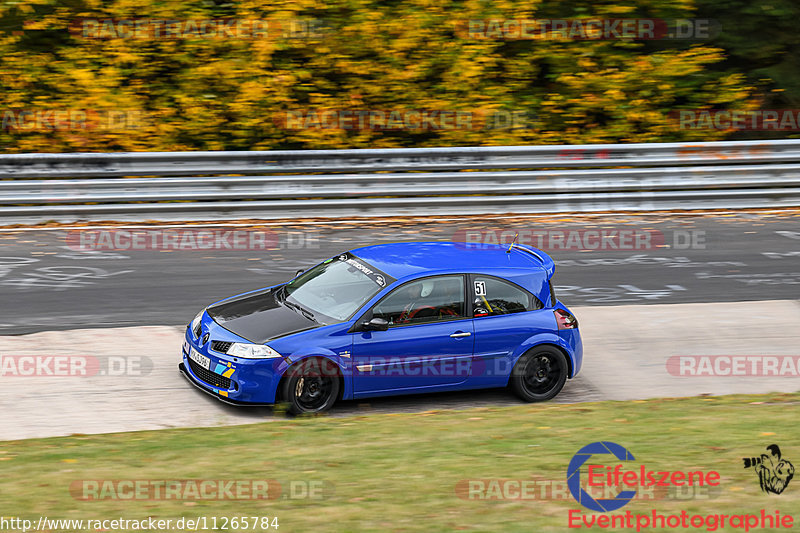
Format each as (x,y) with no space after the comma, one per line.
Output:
(493,296)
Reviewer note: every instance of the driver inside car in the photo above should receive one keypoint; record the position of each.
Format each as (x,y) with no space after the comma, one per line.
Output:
(414,295)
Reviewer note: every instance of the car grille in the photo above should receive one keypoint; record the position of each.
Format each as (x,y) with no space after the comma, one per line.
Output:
(221,346)
(198,330)
(213,379)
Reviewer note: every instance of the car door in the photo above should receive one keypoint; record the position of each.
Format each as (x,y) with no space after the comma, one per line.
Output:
(505,316)
(427,344)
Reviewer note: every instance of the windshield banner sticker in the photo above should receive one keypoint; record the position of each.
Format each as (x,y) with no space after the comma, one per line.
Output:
(375,275)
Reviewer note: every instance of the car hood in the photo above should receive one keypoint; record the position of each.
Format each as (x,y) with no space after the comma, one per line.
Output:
(259,316)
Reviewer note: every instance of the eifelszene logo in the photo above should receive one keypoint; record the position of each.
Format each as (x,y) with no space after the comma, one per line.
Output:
(574,476)
(617,477)
(774,472)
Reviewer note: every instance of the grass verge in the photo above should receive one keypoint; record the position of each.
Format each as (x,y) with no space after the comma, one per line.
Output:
(400,472)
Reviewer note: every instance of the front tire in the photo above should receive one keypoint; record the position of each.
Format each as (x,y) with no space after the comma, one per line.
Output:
(539,374)
(310,387)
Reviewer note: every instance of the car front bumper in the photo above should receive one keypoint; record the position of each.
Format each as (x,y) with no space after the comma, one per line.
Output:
(205,388)
(230,379)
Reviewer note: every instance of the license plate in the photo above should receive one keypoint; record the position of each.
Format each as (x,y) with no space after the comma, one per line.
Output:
(200,359)
(185,346)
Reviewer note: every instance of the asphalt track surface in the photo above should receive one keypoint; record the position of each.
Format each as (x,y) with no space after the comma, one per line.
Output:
(47,285)
(54,298)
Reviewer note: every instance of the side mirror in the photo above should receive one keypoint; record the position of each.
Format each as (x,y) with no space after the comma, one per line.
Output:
(375,324)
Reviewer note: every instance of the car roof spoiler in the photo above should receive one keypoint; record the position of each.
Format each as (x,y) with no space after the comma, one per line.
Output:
(547,262)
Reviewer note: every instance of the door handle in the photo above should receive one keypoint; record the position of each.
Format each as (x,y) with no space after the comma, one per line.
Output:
(459,335)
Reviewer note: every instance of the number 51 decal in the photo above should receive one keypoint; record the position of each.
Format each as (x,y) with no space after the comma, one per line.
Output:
(480,288)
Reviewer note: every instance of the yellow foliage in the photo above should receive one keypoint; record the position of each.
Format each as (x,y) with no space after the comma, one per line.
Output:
(228,93)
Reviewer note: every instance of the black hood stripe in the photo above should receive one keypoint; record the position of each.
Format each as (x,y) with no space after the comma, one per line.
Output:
(259,317)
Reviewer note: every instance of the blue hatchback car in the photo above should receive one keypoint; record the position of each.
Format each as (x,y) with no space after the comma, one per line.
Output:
(390,319)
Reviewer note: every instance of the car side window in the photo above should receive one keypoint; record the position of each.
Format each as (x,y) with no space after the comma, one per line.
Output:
(492,296)
(435,299)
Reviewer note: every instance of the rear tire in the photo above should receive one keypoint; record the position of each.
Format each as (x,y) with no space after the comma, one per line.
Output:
(539,374)
(310,387)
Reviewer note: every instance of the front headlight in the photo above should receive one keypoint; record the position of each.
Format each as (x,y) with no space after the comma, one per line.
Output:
(196,320)
(252,351)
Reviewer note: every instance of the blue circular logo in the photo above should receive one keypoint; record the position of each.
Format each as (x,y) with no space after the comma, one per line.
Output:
(574,477)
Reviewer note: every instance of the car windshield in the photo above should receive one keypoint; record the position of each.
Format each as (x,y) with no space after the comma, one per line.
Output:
(332,291)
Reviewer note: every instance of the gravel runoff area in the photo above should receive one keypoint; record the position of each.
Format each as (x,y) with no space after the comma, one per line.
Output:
(137,385)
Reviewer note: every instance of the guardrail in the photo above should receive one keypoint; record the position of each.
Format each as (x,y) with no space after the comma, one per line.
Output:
(387,182)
